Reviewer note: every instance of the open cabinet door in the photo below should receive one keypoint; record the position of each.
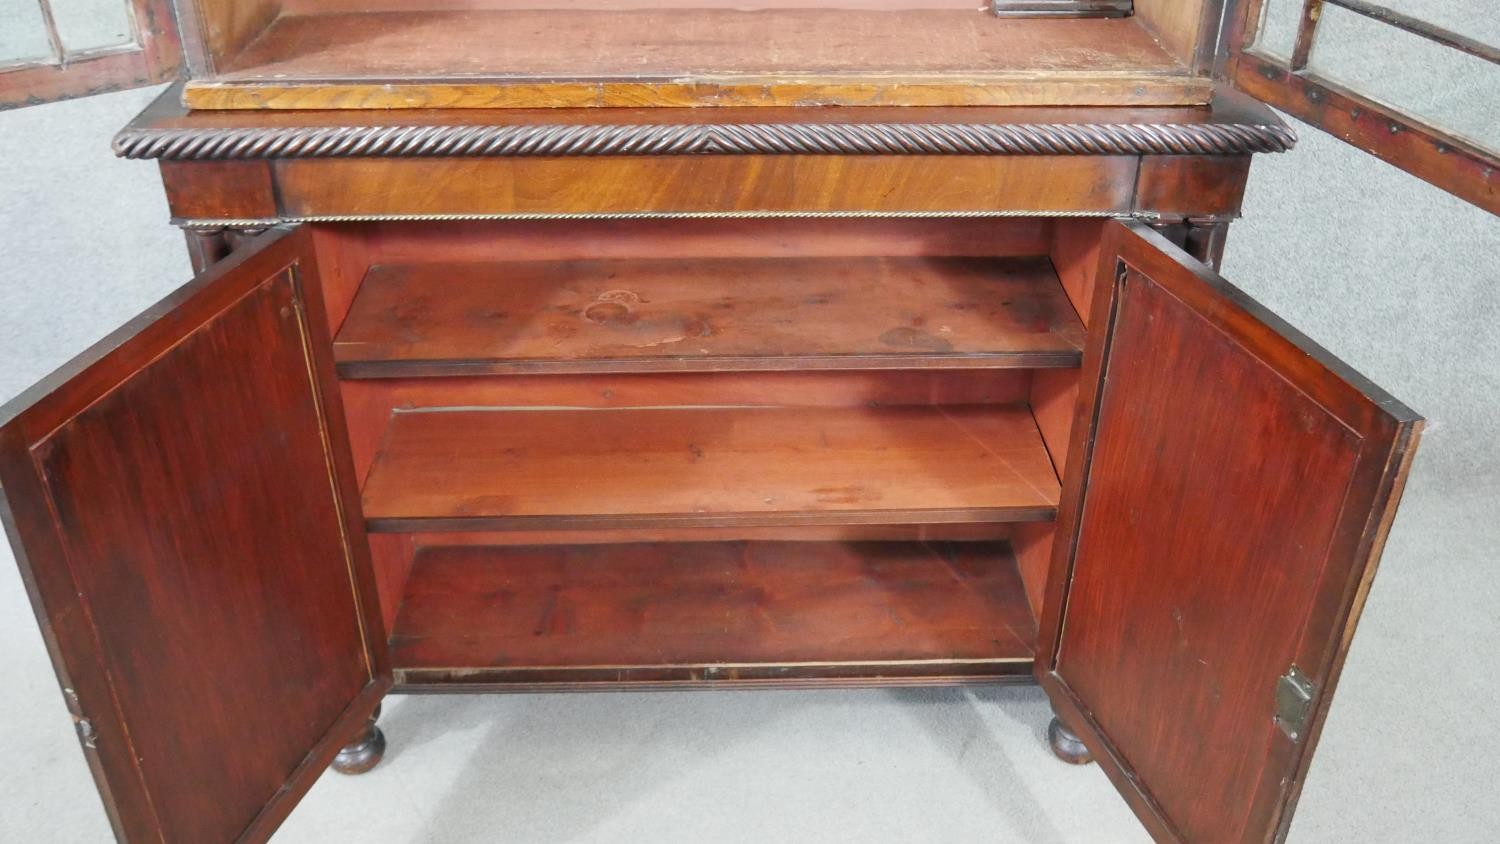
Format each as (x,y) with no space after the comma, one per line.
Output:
(1227,501)
(1415,90)
(182,505)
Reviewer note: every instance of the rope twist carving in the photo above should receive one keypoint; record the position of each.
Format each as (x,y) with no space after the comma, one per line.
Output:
(706,139)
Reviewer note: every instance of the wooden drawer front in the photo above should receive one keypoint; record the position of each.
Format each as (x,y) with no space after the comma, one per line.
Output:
(1151,186)
(730,185)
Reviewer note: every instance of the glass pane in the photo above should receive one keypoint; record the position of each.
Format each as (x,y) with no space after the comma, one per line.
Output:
(1438,85)
(1474,18)
(1278,28)
(23,33)
(92,24)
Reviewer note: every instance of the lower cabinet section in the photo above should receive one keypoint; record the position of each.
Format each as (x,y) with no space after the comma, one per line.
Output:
(712,613)
(672,454)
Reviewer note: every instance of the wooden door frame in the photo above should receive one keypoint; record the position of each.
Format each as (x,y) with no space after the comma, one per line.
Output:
(154,56)
(1443,159)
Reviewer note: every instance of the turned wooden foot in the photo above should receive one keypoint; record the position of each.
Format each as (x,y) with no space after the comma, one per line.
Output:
(1066,745)
(364,752)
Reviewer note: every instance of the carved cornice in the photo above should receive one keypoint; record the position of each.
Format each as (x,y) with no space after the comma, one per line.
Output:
(195,144)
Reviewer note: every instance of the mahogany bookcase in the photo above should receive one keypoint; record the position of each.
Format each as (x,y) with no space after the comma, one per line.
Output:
(670,345)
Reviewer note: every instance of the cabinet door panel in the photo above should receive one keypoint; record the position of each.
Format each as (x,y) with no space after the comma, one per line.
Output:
(181,503)
(1230,498)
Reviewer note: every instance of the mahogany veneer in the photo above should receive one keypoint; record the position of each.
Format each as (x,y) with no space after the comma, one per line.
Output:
(491,469)
(712,612)
(708,314)
(591,454)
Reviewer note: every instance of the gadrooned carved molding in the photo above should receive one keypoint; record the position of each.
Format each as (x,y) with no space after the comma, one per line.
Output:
(193,144)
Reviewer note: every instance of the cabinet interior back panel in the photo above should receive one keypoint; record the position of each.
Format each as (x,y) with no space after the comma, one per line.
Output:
(571,43)
(579,57)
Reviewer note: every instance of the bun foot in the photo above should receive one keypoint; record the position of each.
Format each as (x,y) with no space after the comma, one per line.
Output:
(1067,746)
(364,752)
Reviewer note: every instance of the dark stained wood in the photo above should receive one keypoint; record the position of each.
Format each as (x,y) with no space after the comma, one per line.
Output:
(708,315)
(1228,488)
(636,553)
(712,612)
(365,752)
(1066,745)
(219,190)
(183,510)
(720,184)
(1192,186)
(696,184)
(155,56)
(206,247)
(492,469)
(1230,110)
(694,57)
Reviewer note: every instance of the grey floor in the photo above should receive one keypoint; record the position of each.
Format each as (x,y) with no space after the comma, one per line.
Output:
(1395,276)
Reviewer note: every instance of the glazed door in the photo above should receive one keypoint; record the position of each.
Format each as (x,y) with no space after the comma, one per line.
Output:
(1228,497)
(181,503)
(1411,82)
(59,49)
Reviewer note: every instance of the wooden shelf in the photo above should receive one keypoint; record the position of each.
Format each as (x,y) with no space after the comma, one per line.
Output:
(713,613)
(465,469)
(542,58)
(705,314)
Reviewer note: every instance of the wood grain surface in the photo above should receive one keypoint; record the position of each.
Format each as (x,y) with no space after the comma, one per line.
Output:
(1227,495)
(712,609)
(456,469)
(522,58)
(708,315)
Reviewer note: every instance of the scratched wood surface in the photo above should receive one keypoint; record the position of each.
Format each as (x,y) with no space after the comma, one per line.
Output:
(480,58)
(700,604)
(462,469)
(708,315)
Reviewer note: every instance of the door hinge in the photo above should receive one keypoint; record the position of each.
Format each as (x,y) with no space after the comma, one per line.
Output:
(1294,696)
(86,734)
(85,728)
